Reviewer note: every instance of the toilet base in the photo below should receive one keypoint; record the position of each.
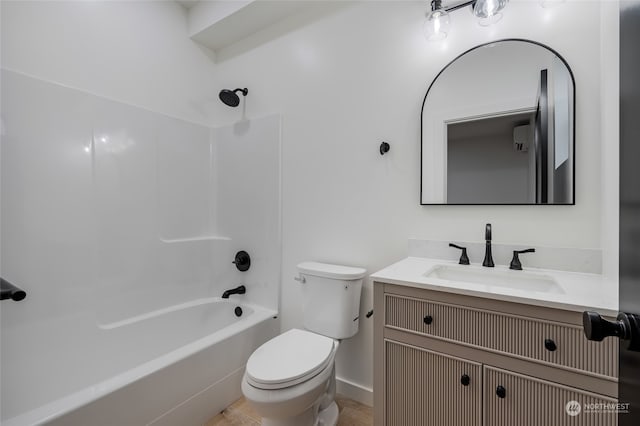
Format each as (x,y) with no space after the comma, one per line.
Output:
(329,416)
(326,417)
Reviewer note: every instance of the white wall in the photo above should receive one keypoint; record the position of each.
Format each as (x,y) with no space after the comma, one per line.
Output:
(357,77)
(343,83)
(137,52)
(610,148)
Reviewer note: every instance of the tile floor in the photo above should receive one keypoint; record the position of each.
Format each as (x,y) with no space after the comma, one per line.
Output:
(352,413)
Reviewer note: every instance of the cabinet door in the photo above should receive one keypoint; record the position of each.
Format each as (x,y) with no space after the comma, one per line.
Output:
(425,388)
(514,399)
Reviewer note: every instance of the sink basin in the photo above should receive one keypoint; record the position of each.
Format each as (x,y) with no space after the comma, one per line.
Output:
(489,277)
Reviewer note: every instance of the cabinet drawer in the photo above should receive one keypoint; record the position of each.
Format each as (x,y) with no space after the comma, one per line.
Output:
(558,344)
(514,399)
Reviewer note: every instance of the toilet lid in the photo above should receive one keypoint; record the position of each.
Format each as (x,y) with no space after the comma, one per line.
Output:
(289,359)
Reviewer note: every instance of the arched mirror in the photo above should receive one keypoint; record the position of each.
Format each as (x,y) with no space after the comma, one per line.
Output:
(498,127)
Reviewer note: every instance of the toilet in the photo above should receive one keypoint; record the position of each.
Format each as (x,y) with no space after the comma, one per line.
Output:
(290,380)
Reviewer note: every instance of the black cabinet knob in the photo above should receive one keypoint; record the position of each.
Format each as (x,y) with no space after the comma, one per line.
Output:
(428,319)
(501,391)
(465,380)
(550,345)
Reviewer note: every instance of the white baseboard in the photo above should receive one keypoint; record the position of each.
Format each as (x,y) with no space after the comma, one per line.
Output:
(354,391)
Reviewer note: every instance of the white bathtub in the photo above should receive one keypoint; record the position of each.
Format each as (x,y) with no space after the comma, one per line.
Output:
(174,366)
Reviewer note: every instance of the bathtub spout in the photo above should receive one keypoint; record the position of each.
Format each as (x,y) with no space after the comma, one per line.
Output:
(10,291)
(238,290)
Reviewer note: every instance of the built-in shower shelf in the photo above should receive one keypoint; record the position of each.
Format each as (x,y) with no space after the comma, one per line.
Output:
(194,239)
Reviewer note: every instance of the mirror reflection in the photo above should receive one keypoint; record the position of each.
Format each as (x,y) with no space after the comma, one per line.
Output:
(498,128)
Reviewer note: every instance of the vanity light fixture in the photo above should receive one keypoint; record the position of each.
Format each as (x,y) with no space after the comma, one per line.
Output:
(437,22)
(436,26)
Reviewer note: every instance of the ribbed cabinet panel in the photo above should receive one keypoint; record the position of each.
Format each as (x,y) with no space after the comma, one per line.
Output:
(504,333)
(532,402)
(423,388)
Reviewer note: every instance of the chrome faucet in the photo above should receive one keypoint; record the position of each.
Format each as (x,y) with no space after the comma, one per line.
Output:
(488,258)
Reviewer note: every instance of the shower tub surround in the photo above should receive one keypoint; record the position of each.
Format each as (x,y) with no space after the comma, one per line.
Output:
(121,225)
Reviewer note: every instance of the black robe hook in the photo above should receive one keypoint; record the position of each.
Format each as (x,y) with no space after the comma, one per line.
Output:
(384,148)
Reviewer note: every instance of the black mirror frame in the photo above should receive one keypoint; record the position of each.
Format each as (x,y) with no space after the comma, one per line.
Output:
(573,82)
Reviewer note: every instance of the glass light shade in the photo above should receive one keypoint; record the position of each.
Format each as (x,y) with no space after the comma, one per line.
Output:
(436,25)
(485,9)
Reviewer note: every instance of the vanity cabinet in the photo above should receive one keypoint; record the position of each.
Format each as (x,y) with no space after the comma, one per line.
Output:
(525,400)
(449,360)
(430,388)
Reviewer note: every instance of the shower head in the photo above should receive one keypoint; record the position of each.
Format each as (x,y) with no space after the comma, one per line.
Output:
(230,98)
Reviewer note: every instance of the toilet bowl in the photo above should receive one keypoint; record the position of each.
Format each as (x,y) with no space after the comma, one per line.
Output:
(290,380)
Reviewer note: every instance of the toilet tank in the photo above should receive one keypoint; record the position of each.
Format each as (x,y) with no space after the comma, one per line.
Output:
(331,298)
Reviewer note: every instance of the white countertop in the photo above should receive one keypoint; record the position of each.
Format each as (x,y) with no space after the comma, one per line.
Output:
(580,291)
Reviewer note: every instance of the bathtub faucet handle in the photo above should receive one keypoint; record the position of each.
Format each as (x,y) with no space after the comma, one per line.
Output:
(242,261)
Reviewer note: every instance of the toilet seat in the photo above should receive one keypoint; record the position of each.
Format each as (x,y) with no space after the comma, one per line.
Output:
(289,359)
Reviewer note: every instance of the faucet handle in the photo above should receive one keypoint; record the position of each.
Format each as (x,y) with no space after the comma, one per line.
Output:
(515,262)
(242,261)
(464,259)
